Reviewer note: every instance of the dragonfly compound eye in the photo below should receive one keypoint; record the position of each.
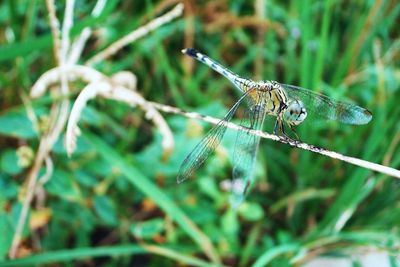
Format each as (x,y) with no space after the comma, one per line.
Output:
(295,112)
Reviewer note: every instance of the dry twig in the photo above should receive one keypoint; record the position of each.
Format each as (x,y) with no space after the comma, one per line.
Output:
(59,114)
(294,143)
(138,33)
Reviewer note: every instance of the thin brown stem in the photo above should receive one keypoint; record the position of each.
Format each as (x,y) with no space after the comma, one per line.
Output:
(55,29)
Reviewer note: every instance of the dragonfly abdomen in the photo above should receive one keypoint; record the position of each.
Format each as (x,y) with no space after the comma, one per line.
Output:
(232,77)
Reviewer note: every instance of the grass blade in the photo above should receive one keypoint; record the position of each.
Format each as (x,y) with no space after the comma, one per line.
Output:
(157,195)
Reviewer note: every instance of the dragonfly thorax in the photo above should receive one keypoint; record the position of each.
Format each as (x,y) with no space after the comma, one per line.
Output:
(268,86)
(295,112)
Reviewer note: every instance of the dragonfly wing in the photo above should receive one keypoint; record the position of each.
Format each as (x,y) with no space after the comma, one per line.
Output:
(326,107)
(207,145)
(245,152)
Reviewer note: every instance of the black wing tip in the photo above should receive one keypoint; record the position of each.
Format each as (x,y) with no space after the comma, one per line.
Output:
(368,116)
(190,51)
(367,113)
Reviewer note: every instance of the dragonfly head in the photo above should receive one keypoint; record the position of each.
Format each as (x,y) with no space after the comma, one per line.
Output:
(295,113)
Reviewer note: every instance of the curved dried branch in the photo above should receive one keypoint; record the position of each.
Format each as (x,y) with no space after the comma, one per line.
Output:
(59,114)
(130,97)
(67,55)
(74,72)
(79,43)
(55,29)
(89,92)
(111,90)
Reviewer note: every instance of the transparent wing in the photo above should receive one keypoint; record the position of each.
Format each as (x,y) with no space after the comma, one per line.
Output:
(245,152)
(326,107)
(207,145)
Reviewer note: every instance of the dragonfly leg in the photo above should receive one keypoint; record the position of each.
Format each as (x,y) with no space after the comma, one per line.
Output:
(279,129)
(294,131)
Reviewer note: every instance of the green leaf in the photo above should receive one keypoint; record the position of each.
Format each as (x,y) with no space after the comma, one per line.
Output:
(251,211)
(9,162)
(109,251)
(16,124)
(230,223)
(62,185)
(208,186)
(81,146)
(6,233)
(25,47)
(8,189)
(86,179)
(75,254)
(105,209)
(147,229)
(274,252)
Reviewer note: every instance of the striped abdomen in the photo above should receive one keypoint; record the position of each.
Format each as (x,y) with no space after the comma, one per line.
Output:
(232,77)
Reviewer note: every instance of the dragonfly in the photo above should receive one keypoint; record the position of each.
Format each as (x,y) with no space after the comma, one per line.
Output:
(289,104)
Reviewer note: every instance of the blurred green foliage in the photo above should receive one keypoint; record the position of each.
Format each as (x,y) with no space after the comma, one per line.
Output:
(117,193)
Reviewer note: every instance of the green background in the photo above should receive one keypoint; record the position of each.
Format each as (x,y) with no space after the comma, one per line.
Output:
(117,192)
